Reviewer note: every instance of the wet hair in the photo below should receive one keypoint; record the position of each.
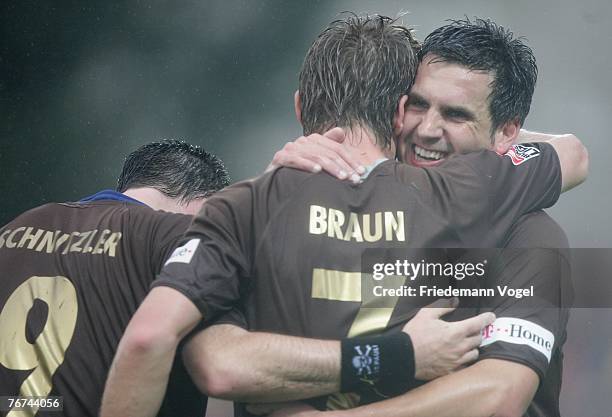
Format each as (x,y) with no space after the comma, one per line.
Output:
(354,74)
(175,168)
(483,45)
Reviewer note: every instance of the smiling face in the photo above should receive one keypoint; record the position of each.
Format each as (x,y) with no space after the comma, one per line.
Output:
(447,112)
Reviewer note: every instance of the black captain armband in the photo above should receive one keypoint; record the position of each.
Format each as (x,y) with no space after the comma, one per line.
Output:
(382,363)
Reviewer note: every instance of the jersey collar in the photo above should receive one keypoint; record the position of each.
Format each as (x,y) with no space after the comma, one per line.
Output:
(370,168)
(110,195)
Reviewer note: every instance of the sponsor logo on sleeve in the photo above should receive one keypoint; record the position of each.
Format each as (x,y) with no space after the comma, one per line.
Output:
(183,254)
(521,332)
(521,153)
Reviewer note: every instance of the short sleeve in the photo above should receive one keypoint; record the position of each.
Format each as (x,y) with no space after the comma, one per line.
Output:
(531,329)
(166,237)
(214,256)
(487,191)
(524,179)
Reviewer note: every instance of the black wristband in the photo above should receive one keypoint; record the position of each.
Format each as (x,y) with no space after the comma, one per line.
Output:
(385,363)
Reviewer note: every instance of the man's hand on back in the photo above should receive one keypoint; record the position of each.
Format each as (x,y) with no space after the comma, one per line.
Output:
(316,152)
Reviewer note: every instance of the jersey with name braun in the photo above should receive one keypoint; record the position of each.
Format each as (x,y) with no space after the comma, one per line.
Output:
(287,246)
(73,274)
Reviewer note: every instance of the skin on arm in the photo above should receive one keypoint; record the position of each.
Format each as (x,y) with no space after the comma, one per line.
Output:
(229,362)
(573,156)
(313,152)
(476,391)
(139,375)
(527,136)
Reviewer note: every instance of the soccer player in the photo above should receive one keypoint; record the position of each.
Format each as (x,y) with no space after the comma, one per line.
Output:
(472,91)
(288,244)
(74,273)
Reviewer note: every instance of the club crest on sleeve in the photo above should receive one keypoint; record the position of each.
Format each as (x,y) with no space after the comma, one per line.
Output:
(183,254)
(521,153)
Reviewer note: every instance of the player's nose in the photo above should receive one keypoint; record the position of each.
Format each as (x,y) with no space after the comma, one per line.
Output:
(430,126)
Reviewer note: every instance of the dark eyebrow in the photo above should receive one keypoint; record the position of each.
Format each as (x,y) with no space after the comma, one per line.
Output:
(458,111)
(412,97)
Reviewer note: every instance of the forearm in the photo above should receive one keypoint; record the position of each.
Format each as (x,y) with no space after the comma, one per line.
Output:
(440,398)
(573,156)
(481,390)
(137,380)
(228,362)
(231,363)
(139,375)
(527,136)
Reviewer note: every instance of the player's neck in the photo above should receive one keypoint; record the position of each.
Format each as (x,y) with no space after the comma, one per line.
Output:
(159,201)
(363,145)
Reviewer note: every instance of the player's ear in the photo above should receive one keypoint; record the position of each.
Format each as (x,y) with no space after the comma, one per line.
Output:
(505,135)
(297,103)
(398,120)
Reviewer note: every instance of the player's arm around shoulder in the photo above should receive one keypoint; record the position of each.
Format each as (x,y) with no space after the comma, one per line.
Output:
(139,375)
(215,360)
(229,362)
(490,387)
(573,155)
(512,386)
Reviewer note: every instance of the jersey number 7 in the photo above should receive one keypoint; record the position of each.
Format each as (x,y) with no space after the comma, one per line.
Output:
(373,315)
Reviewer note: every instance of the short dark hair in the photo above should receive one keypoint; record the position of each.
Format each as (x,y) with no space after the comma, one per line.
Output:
(355,73)
(483,45)
(175,168)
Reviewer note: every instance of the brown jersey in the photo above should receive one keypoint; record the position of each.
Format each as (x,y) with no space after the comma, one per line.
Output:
(536,255)
(289,244)
(73,274)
